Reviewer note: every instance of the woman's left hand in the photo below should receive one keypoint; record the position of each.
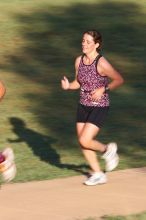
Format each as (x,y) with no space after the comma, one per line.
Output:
(97,93)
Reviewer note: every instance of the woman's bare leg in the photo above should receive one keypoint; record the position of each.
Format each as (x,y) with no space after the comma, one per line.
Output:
(86,133)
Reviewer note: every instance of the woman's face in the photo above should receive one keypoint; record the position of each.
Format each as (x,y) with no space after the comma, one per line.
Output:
(88,44)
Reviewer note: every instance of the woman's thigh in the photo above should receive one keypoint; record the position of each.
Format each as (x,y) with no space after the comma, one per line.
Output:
(79,128)
(87,130)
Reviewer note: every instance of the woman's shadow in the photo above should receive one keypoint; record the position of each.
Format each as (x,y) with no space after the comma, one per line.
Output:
(41,145)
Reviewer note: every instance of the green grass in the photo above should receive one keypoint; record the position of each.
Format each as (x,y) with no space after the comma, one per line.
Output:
(39,41)
(141,216)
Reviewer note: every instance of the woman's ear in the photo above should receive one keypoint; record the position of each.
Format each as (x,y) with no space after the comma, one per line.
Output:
(97,45)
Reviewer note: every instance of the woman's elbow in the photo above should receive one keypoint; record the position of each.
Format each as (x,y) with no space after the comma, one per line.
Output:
(121,81)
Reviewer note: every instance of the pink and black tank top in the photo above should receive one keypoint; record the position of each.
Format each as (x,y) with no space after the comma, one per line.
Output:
(89,80)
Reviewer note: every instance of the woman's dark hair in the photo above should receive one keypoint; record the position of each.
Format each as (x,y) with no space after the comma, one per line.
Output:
(96,37)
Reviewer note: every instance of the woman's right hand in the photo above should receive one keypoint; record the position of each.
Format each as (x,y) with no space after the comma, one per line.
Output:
(65,83)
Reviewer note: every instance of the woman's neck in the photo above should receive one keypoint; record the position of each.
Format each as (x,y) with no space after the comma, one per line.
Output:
(89,58)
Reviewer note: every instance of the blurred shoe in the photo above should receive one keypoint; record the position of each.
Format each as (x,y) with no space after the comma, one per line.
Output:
(96,178)
(8,167)
(111,157)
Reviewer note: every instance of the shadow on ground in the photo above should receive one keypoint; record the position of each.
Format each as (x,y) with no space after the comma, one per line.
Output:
(41,145)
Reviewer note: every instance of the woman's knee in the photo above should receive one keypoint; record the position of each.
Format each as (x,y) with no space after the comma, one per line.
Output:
(84,142)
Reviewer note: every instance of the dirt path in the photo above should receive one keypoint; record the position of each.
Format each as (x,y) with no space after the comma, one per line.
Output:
(69,199)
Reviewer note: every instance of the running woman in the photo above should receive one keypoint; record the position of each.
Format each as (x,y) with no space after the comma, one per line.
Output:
(95,77)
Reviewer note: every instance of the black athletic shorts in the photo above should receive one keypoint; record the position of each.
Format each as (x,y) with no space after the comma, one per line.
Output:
(92,114)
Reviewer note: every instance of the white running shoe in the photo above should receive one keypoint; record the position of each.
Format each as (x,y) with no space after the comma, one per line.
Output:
(111,157)
(8,167)
(10,173)
(96,178)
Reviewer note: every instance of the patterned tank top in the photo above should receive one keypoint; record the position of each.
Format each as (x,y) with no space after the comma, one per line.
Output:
(89,80)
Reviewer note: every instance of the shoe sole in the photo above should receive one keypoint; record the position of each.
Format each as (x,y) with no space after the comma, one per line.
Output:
(116,162)
(96,183)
